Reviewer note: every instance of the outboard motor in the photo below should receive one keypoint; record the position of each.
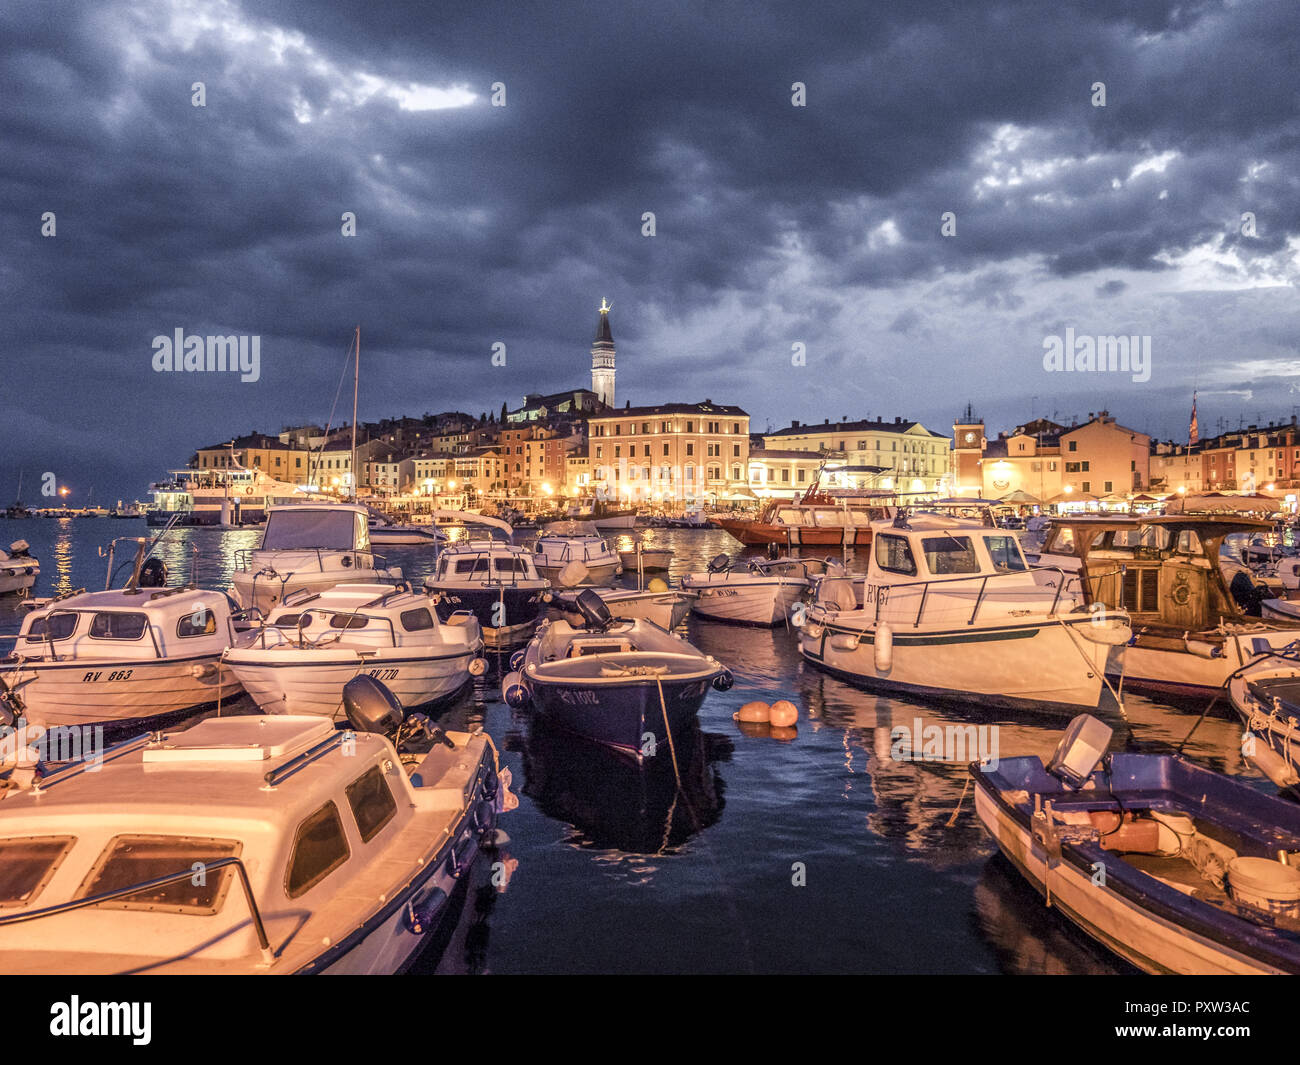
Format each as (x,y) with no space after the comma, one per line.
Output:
(153,574)
(371,707)
(719,563)
(19,548)
(594,610)
(1080,750)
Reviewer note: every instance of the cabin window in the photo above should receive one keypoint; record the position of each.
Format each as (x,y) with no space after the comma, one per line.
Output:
(113,626)
(372,802)
(510,565)
(471,565)
(26,865)
(1005,552)
(349,621)
(894,555)
(950,554)
(310,528)
(203,622)
(131,860)
(319,847)
(1063,542)
(52,627)
(417,620)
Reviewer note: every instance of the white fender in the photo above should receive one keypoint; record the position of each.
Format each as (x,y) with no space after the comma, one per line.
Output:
(1273,765)
(884,647)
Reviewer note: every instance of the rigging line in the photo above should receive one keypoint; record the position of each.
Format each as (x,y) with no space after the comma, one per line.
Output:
(311,470)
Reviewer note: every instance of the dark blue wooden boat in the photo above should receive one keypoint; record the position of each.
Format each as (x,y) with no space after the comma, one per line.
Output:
(1151,856)
(627,684)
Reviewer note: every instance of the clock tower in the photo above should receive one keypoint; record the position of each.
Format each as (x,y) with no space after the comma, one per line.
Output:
(968,443)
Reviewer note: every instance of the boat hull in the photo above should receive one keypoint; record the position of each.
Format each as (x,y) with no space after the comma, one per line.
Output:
(515,611)
(309,681)
(764,602)
(1179,673)
(597,572)
(1038,665)
(666,609)
(18,581)
(90,692)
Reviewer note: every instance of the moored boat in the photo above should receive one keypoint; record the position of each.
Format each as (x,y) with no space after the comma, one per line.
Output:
(18,569)
(951,608)
(300,658)
(562,543)
(627,684)
(496,582)
(321,851)
(1172,867)
(751,592)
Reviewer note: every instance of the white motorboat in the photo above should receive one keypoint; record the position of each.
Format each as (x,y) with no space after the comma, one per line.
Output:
(136,652)
(496,582)
(299,659)
(307,547)
(561,543)
(400,534)
(645,559)
(667,608)
(246,845)
(753,592)
(1191,629)
(18,569)
(951,608)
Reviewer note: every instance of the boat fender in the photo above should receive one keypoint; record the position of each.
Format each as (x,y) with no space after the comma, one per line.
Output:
(517,660)
(845,641)
(573,574)
(203,670)
(657,584)
(1273,765)
(419,918)
(477,667)
(724,680)
(754,712)
(884,647)
(513,690)
(784,714)
(485,817)
(1202,649)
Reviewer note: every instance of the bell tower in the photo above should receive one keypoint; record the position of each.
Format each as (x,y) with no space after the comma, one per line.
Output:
(602,358)
(968,444)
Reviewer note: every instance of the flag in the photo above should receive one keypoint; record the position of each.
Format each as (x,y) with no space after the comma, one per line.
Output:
(1193,430)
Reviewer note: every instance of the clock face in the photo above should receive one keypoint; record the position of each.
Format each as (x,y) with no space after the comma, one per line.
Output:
(969,438)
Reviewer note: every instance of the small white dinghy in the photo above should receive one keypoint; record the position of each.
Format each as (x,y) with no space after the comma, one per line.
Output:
(131,653)
(18,569)
(298,661)
(307,547)
(320,851)
(753,592)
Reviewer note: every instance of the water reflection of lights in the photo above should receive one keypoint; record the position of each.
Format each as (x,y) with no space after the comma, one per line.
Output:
(63,557)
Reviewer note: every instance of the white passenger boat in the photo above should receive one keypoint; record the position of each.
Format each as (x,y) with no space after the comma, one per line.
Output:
(18,569)
(562,543)
(751,592)
(299,659)
(951,608)
(245,845)
(131,653)
(307,547)
(495,581)
(1190,631)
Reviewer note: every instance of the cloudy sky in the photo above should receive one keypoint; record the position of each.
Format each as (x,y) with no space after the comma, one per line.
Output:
(775,224)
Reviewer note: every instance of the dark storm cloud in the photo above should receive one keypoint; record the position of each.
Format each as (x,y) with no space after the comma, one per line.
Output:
(477,224)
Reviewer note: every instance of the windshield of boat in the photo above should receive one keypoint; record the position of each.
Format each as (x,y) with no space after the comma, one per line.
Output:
(950,554)
(134,859)
(1005,553)
(334,530)
(894,555)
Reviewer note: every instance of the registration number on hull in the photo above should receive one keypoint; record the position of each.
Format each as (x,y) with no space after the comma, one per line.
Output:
(383,674)
(99,674)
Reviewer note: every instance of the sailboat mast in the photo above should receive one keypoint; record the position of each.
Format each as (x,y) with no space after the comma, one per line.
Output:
(356,382)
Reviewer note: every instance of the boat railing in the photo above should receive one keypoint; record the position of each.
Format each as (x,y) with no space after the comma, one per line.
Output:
(983,578)
(183,875)
(244,556)
(333,630)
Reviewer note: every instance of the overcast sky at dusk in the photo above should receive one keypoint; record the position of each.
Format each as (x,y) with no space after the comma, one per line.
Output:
(775,224)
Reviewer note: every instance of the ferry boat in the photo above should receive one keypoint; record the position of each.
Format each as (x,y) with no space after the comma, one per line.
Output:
(18,569)
(1198,867)
(497,583)
(614,681)
(754,591)
(950,608)
(562,543)
(322,851)
(1189,631)
(138,652)
(229,496)
(307,547)
(300,658)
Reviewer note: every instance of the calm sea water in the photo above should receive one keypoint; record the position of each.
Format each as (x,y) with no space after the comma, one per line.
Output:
(617,870)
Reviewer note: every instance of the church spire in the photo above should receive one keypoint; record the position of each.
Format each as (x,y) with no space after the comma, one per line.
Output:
(602,358)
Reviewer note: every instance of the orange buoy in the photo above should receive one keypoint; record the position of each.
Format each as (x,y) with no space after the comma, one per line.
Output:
(755,711)
(783,714)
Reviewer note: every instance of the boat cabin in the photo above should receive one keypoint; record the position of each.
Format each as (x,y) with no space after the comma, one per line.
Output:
(326,527)
(356,615)
(923,547)
(1164,570)
(484,562)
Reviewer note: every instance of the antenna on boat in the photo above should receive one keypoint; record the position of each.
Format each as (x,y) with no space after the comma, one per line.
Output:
(356,382)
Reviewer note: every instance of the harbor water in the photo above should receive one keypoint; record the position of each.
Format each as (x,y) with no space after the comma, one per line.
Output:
(818,853)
